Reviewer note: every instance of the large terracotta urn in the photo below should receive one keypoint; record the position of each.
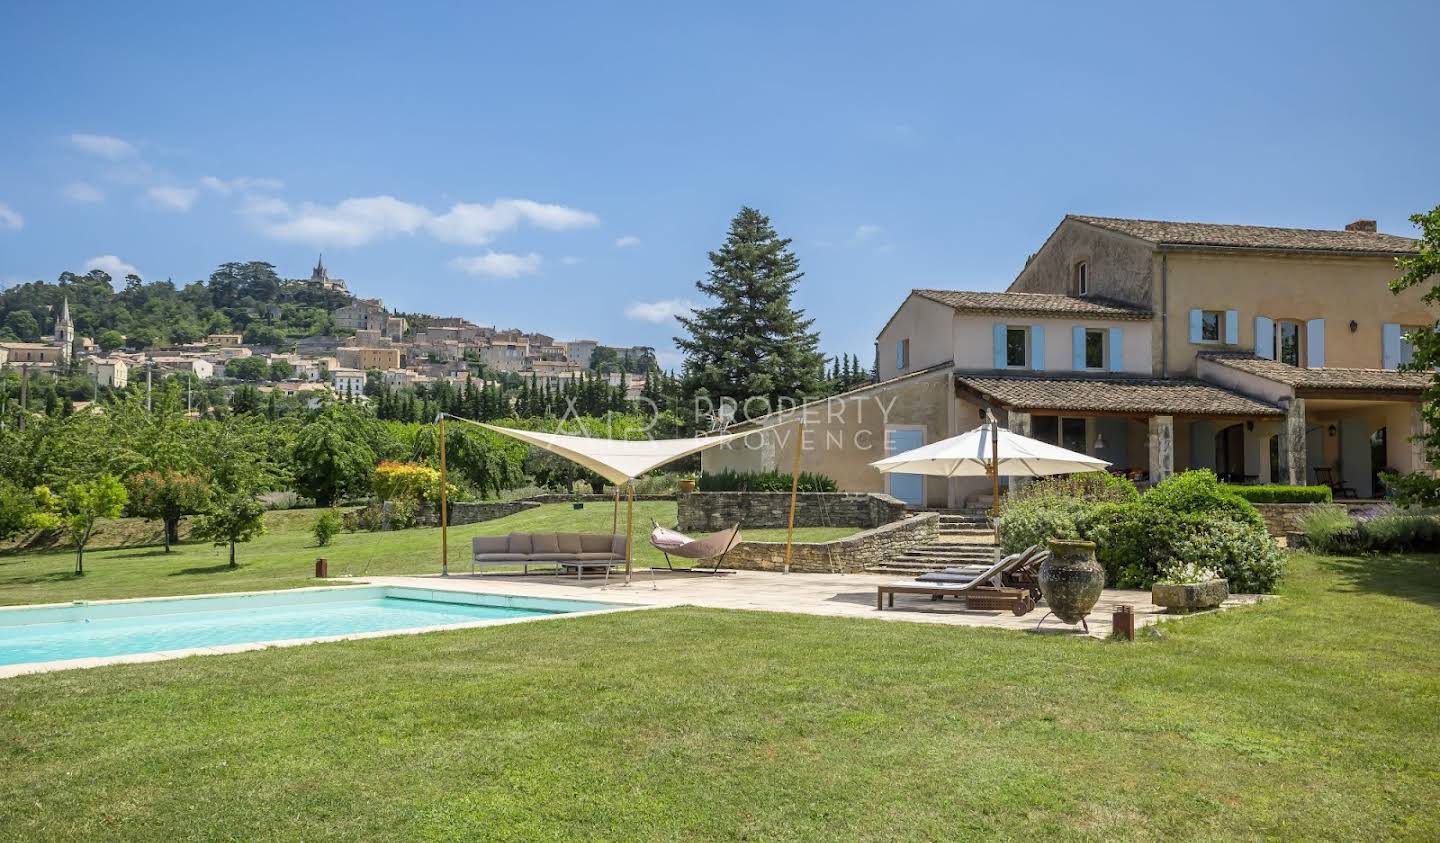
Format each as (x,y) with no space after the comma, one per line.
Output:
(1071,580)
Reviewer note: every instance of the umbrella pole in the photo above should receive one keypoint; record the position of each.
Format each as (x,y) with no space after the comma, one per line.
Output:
(995,476)
(629,528)
(794,493)
(444,513)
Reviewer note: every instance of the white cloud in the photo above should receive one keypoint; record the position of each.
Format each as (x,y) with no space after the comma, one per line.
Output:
(867,231)
(658,312)
(627,241)
(83,192)
(113,266)
(170,198)
(350,222)
(242,184)
(103,146)
(475,224)
(498,265)
(10,218)
(569,260)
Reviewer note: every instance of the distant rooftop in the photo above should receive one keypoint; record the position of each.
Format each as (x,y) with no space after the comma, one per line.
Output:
(1359,238)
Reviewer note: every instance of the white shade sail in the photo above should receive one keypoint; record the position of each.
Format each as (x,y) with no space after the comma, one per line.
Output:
(617,460)
(971,454)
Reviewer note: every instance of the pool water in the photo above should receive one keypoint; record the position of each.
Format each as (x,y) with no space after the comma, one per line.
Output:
(152,626)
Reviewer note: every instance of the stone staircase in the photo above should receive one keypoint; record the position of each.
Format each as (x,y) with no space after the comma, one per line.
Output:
(965,540)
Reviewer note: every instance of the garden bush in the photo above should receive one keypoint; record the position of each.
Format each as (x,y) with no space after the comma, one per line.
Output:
(1200,492)
(326,526)
(1383,529)
(1058,508)
(1330,529)
(1281,494)
(762,481)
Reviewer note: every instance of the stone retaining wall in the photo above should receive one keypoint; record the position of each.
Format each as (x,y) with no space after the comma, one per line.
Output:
(1282,518)
(471,513)
(849,555)
(710,511)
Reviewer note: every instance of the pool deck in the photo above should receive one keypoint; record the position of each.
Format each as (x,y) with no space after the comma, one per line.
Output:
(832,595)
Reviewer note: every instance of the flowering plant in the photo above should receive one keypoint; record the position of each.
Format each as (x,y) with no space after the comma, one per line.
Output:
(1186,573)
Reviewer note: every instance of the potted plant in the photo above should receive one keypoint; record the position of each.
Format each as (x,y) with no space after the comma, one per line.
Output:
(1187,587)
(687,484)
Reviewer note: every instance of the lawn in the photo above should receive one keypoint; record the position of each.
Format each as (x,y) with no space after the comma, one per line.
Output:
(1308,717)
(285,556)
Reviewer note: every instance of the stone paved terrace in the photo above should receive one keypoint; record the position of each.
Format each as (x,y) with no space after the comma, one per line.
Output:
(835,595)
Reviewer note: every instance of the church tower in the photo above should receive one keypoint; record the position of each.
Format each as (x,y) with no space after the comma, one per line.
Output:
(318,275)
(65,331)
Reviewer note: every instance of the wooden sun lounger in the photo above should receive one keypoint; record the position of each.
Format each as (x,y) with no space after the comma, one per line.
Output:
(982,592)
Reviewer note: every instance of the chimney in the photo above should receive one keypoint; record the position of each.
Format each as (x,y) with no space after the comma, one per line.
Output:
(1361,225)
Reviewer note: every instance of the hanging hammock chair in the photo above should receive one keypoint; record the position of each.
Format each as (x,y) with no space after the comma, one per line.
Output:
(714,546)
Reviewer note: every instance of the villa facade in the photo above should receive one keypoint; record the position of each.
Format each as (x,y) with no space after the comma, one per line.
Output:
(1269,355)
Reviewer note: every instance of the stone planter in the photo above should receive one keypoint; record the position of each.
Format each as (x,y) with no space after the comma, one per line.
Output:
(1190,597)
(1071,580)
(686,486)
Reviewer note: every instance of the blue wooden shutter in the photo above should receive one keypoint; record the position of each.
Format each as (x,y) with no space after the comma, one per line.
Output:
(1000,345)
(1265,337)
(1232,327)
(1390,345)
(1315,344)
(900,355)
(1197,331)
(1117,349)
(1037,347)
(1077,348)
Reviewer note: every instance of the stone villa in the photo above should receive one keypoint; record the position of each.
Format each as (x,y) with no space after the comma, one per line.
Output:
(1270,355)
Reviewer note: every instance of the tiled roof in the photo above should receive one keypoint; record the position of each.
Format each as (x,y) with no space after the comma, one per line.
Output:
(850,393)
(1117,394)
(1204,234)
(1372,380)
(1035,304)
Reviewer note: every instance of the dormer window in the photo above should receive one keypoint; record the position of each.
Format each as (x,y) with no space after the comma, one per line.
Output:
(1082,278)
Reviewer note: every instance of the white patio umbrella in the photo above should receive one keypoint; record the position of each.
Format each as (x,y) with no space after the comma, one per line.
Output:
(993,451)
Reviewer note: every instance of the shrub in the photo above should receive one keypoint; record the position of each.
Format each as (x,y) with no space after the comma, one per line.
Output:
(397,514)
(1413,489)
(1200,492)
(1330,529)
(406,480)
(1281,494)
(1400,532)
(1058,508)
(1186,573)
(326,526)
(1242,552)
(762,481)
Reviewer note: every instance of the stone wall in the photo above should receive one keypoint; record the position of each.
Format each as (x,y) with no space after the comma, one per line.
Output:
(709,511)
(1282,518)
(471,513)
(849,555)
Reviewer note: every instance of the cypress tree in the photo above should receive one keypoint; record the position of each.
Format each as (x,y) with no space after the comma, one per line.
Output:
(751,342)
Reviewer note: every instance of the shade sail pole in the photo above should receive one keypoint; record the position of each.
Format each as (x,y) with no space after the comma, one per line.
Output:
(629,529)
(615,518)
(794,494)
(444,509)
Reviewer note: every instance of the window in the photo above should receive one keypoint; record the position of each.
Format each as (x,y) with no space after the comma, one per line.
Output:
(1407,348)
(1287,342)
(1095,348)
(1082,278)
(1016,341)
(902,354)
(1211,322)
(1072,435)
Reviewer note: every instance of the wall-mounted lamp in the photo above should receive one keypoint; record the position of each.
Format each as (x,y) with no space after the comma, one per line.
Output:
(1354,326)
(1099,442)
(1249,425)
(1330,430)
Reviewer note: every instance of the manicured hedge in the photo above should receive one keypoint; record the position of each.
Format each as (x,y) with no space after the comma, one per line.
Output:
(762,481)
(1282,494)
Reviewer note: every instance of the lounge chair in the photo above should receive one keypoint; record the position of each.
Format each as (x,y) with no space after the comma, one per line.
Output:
(1325,476)
(1022,573)
(981,592)
(714,546)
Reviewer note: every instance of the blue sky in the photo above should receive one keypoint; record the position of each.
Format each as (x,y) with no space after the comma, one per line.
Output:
(565,167)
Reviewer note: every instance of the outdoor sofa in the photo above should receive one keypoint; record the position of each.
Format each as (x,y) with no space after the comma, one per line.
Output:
(563,551)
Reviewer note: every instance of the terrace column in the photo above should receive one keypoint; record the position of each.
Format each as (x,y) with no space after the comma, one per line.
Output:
(1020,425)
(1162,447)
(1418,431)
(1292,443)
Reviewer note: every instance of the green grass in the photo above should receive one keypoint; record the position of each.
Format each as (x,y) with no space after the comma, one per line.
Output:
(1308,717)
(285,556)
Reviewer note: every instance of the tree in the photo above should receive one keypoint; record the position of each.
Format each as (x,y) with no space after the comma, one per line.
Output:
(247,368)
(332,455)
(167,496)
(281,369)
(751,343)
(1417,269)
(110,340)
(18,507)
(233,517)
(86,503)
(141,338)
(22,323)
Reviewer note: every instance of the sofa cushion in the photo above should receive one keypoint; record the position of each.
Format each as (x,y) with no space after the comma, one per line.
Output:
(490,544)
(501,557)
(544,544)
(617,545)
(595,542)
(519,542)
(569,542)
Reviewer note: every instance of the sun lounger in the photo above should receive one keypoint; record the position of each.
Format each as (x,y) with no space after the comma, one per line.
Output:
(981,592)
(1022,573)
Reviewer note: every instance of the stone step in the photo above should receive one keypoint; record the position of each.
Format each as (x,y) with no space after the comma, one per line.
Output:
(966,530)
(956,551)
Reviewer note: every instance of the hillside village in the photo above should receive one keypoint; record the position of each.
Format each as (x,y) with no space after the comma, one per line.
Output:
(366,341)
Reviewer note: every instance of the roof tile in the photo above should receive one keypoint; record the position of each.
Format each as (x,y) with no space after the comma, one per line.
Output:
(1204,234)
(1035,304)
(1115,394)
(1380,380)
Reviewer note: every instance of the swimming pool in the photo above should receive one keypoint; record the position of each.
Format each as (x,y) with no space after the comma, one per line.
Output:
(167,625)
